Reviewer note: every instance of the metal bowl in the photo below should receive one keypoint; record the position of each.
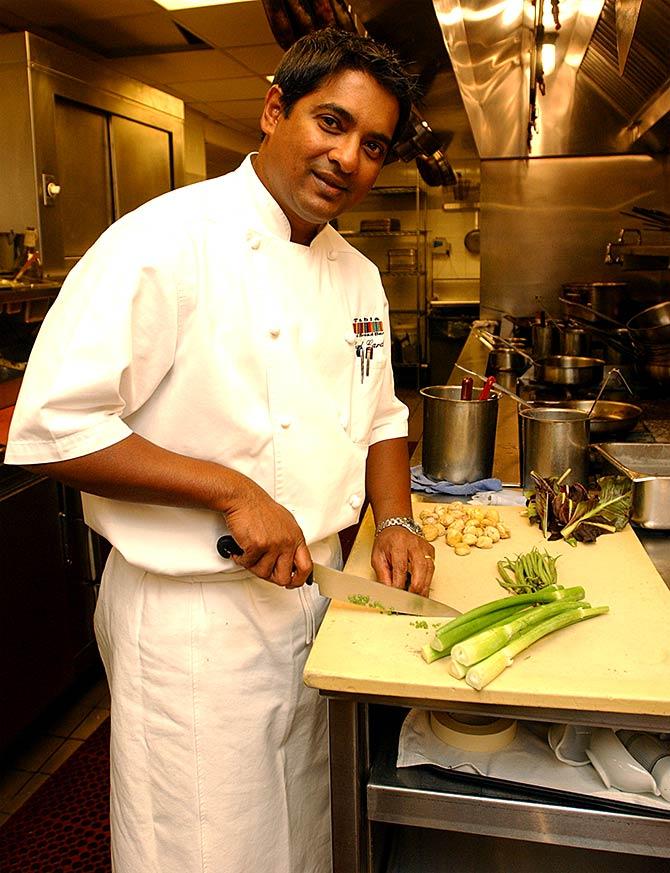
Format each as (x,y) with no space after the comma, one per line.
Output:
(652,325)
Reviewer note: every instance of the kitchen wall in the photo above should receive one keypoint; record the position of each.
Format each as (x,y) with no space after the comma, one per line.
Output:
(451,269)
(547,221)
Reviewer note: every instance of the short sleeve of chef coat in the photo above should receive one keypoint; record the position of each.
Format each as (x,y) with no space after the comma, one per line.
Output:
(391,416)
(103,348)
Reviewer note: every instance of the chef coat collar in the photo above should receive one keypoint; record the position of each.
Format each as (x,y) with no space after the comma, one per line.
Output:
(265,208)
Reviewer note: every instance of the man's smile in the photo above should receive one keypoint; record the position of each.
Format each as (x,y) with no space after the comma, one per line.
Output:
(330,182)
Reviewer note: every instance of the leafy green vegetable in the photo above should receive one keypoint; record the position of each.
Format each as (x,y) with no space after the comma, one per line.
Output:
(570,512)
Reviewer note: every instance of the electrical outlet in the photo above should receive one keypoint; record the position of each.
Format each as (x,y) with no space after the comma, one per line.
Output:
(441,246)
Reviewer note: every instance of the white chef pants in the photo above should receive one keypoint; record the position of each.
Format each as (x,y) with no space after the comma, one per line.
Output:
(219,759)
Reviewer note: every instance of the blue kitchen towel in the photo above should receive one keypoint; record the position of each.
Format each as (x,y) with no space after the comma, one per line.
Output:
(421,482)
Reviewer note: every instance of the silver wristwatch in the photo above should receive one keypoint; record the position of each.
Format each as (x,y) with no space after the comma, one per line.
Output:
(400,521)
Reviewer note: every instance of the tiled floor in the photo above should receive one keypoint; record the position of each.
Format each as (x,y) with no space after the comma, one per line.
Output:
(42,754)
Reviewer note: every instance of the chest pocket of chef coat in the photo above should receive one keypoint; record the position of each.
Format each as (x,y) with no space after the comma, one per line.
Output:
(367,384)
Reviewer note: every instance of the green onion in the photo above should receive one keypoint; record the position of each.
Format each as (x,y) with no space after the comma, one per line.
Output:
(475,648)
(443,635)
(457,670)
(446,636)
(439,647)
(479,675)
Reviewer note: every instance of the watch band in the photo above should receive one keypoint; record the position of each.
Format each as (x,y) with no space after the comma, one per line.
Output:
(400,521)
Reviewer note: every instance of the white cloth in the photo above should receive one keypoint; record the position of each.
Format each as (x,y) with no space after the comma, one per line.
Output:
(196,323)
(528,759)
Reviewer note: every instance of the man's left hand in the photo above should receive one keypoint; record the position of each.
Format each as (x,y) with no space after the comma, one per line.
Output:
(397,552)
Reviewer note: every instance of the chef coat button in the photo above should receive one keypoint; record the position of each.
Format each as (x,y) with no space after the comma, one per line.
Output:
(354,501)
(332,256)
(350,338)
(255,243)
(274,332)
(285,423)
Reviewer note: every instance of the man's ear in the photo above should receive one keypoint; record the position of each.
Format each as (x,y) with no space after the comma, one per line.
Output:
(273,109)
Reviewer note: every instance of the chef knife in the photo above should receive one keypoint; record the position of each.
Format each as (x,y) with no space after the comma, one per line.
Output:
(367,592)
(357,589)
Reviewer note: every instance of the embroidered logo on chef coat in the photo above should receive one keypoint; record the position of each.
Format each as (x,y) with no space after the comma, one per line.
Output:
(368,326)
(369,333)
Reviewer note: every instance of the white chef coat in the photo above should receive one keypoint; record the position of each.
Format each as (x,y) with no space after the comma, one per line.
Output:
(196,323)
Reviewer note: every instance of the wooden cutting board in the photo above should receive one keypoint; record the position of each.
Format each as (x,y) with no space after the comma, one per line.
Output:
(619,662)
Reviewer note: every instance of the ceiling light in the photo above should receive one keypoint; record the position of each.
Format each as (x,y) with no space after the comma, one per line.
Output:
(174,5)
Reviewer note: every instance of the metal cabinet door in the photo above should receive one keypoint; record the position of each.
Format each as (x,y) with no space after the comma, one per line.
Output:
(141,164)
(84,174)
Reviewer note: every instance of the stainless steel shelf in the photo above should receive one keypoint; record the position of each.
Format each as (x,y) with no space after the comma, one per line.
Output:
(382,233)
(394,189)
(422,798)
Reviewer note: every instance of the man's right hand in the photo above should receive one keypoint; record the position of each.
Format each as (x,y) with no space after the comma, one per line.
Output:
(273,545)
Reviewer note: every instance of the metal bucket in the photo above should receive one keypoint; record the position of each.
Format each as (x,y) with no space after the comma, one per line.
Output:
(552,441)
(458,435)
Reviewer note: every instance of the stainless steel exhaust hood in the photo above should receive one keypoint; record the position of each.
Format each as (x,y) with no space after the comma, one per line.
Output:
(590,106)
(609,92)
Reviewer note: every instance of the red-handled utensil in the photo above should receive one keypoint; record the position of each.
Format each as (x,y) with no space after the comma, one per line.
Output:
(486,388)
(466,388)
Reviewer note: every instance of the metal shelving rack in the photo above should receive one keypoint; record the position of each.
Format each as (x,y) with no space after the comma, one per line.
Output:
(410,355)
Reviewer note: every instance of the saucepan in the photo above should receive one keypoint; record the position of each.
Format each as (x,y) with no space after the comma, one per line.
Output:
(652,325)
(561,369)
(569,370)
(606,417)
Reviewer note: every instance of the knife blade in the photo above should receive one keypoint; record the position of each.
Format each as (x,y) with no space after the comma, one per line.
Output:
(355,589)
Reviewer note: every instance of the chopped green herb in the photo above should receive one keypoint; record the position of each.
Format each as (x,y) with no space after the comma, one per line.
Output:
(364,600)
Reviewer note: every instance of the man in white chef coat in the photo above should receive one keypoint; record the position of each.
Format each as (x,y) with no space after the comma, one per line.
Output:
(219,363)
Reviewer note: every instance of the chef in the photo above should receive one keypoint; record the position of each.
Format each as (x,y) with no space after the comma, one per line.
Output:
(219,363)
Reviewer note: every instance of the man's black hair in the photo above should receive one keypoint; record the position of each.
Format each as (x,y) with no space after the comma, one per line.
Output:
(317,56)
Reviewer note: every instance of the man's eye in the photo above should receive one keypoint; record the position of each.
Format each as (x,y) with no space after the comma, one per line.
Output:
(376,150)
(330,121)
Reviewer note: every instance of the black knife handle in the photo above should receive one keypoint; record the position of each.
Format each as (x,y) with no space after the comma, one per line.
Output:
(227,546)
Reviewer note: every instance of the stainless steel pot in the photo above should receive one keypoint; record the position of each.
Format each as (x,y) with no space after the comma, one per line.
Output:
(604,297)
(506,360)
(569,370)
(575,341)
(458,435)
(551,442)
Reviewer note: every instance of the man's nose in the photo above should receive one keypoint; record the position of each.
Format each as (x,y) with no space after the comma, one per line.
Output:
(346,153)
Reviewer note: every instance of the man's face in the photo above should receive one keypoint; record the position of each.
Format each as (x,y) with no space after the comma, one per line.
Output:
(325,156)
